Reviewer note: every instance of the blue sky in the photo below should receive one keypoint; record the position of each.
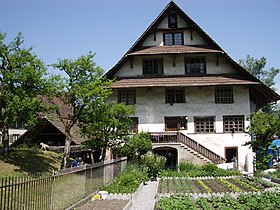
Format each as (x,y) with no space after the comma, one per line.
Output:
(71,28)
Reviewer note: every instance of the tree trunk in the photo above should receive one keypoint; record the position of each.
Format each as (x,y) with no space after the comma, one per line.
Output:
(67,148)
(5,139)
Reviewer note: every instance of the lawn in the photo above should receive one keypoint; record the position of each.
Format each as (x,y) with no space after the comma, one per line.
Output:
(27,161)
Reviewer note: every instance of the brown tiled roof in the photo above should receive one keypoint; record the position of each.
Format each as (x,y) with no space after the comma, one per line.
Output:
(176,49)
(75,131)
(29,135)
(183,81)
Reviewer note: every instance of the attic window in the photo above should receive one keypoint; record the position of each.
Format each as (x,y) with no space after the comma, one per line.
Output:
(152,66)
(172,21)
(195,65)
(173,39)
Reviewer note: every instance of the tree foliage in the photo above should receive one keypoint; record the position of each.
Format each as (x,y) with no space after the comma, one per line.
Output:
(107,125)
(83,88)
(136,146)
(153,163)
(264,127)
(23,81)
(257,67)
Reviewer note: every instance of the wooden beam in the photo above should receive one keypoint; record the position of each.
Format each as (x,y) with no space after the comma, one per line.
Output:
(174,60)
(131,62)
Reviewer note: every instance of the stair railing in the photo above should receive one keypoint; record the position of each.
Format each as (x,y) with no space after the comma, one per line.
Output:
(215,158)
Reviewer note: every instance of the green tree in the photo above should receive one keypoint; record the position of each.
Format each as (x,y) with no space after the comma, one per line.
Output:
(84,88)
(264,127)
(23,80)
(136,146)
(107,125)
(257,68)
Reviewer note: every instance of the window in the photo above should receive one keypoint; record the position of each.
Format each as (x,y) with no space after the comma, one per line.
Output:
(127,97)
(183,122)
(152,66)
(224,95)
(172,21)
(175,96)
(176,123)
(233,123)
(15,137)
(17,125)
(173,39)
(195,66)
(133,128)
(204,124)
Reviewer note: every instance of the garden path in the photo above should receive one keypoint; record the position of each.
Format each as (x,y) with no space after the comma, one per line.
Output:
(145,199)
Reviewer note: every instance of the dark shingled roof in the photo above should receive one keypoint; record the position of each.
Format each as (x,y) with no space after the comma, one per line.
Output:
(175,49)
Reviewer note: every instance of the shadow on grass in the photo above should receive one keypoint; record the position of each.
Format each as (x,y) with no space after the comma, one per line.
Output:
(33,161)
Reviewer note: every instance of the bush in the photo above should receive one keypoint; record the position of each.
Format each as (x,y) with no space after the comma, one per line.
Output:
(128,181)
(136,146)
(186,166)
(190,170)
(153,164)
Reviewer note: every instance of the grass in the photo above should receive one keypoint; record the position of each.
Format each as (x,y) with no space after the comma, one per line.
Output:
(27,161)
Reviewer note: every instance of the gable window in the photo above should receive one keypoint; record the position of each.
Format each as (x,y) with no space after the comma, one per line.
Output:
(172,21)
(175,95)
(233,123)
(173,39)
(195,66)
(127,97)
(223,95)
(133,127)
(153,66)
(204,124)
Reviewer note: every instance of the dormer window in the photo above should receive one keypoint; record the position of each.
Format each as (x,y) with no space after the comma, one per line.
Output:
(172,21)
(173,39)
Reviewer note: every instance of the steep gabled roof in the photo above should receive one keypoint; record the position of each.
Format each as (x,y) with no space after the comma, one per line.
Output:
(212,47)
(171,6)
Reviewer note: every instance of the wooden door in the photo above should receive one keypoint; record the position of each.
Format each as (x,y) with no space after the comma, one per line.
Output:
(171,124)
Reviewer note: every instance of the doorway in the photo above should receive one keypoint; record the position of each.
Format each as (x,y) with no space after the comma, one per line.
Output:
(230,153)
(171,156)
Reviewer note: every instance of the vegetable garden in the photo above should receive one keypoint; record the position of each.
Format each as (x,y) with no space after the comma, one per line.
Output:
(212,185)
(217,193)
(262,201)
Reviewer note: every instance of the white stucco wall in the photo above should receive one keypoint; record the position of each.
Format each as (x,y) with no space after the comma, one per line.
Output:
(178,69)
(152,109)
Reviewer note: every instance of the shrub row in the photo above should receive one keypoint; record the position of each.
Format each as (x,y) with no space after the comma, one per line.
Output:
(187,169)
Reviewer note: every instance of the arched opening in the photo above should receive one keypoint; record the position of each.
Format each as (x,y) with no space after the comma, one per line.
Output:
(170,154)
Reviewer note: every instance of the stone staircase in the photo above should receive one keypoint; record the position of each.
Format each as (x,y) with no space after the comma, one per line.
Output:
(201,158)
(193,150)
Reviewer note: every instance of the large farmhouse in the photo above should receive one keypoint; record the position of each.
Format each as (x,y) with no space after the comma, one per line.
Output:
(189,94)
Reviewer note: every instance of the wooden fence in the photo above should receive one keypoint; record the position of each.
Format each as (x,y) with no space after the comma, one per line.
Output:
(59,190)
